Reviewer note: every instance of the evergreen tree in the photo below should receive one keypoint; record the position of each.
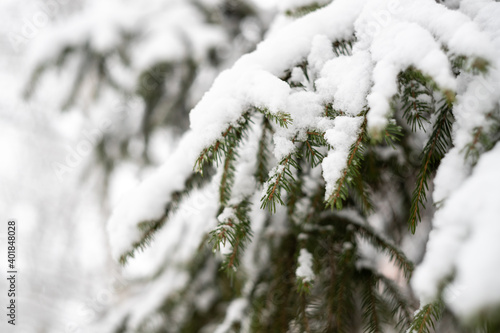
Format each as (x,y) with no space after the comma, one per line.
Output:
(309,164)
(139,66)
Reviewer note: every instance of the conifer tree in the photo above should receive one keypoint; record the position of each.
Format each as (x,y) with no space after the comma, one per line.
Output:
(310,162)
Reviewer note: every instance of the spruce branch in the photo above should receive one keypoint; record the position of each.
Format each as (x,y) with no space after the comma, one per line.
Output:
(473,65)
(426,318)
(330,112)
(472,150)
(392,134)
(303,287)
(149,228)
(227,177)
(395,255)
(433,152)
(484,137)
(314,140)
(351,171)
(233,229)
(361,196)
(281,118)
(261,171)
(228,169)
(416,97)
(304,10)
(343,291)
(295,194)
(343,47)
(397,302)
(230,138)
(367,233)
(305,320)
(281,179)
(370,304)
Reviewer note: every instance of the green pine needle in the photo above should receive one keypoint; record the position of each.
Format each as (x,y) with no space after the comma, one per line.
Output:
(281,180)
(235,231)
(426,318)
(436,147)
(351,172)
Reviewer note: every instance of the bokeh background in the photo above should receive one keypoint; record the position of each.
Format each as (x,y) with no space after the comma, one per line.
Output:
(94,95)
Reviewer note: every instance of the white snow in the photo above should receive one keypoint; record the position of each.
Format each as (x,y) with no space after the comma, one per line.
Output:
(227,214)
(244,177)
(147,201)
(343,135)
(321,52)
(304,269)
(297,75)
(282,147)
(233,93)
(395,49)
(450,175)
(465,241)
(345,81)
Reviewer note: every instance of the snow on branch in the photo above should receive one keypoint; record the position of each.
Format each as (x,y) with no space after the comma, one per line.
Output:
(381,51)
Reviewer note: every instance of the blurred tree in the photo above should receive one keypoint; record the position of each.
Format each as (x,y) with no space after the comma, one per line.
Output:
(142,66)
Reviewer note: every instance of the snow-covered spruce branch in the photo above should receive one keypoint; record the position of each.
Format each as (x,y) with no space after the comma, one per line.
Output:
(223,149)
(281,118)
(223,104)
(315,140)
(335,238)
(426,317)
(416,97)
(281,179)
(351,170)
(322,99)
(300,11)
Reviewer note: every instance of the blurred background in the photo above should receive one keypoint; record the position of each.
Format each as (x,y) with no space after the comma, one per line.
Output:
(94,95)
